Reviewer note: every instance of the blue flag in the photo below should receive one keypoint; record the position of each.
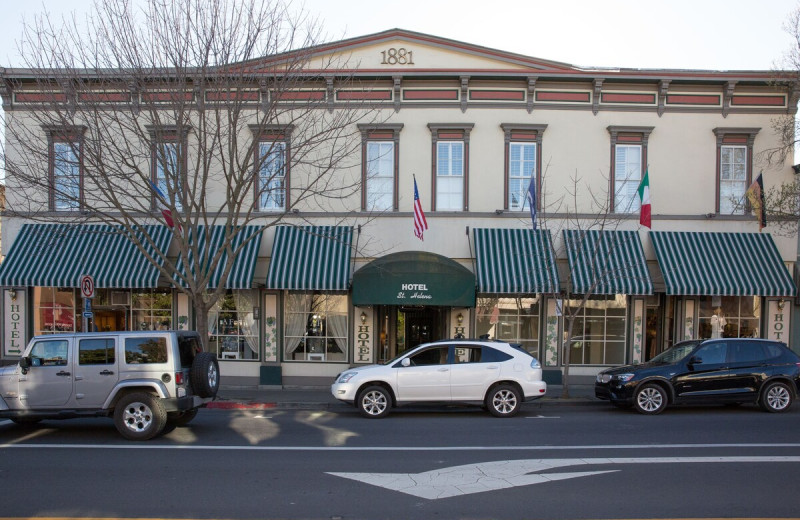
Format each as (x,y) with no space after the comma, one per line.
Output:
(531,197)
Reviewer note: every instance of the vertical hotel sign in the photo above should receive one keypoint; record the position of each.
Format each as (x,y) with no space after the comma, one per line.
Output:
(15,322)
(778,320)
(363,336)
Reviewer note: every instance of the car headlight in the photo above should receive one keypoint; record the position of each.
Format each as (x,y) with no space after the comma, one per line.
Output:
(623,378)
(345,377)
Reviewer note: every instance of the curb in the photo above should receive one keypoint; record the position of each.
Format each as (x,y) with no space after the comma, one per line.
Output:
(234,404)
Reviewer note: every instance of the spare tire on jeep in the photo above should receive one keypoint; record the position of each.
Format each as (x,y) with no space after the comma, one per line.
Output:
(204,374)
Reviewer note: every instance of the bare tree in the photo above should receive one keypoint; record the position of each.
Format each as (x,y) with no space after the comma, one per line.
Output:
(183,108)
(596,253)
(782,202)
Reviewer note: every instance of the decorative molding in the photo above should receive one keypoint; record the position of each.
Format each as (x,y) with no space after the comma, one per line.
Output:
(510,128)
(727,96)
(531,90)
(263,88)
(616,131)
(366,129)
(398,83)
(259,131)
(722,132)
(329,93)
(7,94)
(133,88)
(598,88)
(437,128)
(794,98)
(464,92)
(663,90)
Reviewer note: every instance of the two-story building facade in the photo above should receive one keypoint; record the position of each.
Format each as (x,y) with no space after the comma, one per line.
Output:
(470,131)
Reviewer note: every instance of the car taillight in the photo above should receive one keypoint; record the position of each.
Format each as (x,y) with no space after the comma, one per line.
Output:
(178,378)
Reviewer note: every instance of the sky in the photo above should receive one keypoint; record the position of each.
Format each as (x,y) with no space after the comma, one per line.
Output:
(673,34)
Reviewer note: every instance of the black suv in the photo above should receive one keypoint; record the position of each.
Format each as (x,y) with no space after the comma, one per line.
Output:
(727,371)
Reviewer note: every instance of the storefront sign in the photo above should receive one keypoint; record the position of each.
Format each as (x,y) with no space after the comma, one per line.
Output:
(778,320)
(15,322)
(414,291)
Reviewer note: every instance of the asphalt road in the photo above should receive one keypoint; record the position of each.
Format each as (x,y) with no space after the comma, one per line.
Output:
(554,462)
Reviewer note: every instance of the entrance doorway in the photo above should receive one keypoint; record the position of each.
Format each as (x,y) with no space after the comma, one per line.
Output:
(403,328)
(652,327)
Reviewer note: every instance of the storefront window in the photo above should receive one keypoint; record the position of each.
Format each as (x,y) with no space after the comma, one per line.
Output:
(151,310)
(515,320)
(728,316)
(598,332)
(316,327)
(233,333)
(54,310)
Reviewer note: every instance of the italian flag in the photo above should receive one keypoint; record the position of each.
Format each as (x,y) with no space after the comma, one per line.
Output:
(644,195)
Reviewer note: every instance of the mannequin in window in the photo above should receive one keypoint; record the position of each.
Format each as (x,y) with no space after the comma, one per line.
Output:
(717,323)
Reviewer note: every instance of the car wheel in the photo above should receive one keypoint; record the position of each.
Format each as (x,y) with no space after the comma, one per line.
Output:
(204,374)
(650,399)
(140,416)
(776,397)
(374,402)
(503,401)
(179,419)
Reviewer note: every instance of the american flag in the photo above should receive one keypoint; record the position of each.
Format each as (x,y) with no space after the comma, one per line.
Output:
(165,212)
(420,224)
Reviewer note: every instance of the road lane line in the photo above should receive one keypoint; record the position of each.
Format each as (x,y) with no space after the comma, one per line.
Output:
(140,446)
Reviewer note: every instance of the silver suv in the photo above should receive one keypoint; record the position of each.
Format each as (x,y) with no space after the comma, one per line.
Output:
(149,382)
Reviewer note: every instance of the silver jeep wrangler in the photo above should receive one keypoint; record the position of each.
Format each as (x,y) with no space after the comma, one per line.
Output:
(149,382)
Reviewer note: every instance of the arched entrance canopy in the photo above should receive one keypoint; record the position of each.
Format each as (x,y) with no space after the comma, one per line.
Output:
(414,278)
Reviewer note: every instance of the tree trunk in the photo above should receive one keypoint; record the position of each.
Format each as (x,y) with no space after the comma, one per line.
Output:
(201,320)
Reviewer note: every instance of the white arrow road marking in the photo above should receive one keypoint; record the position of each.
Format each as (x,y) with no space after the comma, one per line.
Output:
(487,476)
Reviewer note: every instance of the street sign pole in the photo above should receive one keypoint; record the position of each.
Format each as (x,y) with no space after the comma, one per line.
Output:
(86,286)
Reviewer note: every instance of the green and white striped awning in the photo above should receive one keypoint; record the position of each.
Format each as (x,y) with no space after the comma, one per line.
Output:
(57,255)
(607,262)
(311,258)
(515,261)
(245,243)
(721,264)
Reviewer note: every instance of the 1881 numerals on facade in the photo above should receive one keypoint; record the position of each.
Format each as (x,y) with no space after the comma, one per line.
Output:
(400,56)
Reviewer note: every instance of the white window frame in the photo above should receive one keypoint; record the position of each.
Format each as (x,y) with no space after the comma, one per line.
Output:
(380,175)
(520,172)
(449,177)
(66,175)
(627,177)
(731,201)
(272,176)
(168,154)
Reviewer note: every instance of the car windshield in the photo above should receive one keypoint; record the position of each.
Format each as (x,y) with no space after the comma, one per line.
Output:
(675,353)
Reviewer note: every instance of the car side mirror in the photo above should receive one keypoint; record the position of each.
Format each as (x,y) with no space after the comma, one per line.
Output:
(25,364)
(406,362)
(695,360)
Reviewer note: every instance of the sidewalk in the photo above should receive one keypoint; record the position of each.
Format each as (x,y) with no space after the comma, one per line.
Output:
(320,398)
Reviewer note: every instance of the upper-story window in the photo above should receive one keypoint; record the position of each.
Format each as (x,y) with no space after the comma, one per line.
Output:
(166,156)
(379,166)
(522,163)
(66,168)
(272,167)
(734,168)
(628,164)
(168,166)
(451,166)
(272,176)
